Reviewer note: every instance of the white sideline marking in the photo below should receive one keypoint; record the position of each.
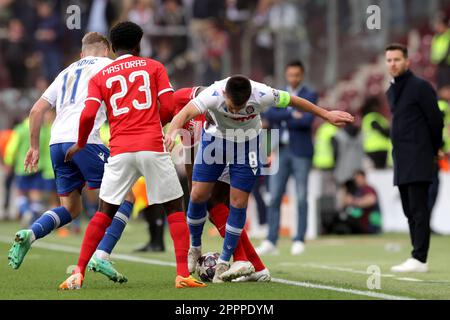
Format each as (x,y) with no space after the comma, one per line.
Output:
(342,269)
(125,257)
(409,279)
(338,289)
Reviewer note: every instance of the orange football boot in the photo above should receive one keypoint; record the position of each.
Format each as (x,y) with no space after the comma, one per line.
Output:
(181,282)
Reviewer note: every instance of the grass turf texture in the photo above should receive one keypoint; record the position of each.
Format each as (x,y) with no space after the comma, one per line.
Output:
(338,262)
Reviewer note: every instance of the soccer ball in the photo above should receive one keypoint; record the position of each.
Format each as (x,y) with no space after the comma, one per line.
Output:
(206,266)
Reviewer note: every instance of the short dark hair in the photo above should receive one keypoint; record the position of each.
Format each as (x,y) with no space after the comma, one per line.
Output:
(296,63)
(238,89)
(125,35)
(360,173)
(398,46)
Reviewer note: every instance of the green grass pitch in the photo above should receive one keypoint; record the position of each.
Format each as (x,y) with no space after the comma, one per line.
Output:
(331,268)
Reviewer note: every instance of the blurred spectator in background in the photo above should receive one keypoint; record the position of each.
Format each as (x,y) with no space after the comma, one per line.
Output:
(48,39)
(375,129)
(443,102)
(263,39)
(294,155)
(202,13)
(142,13)
(360,213)
(16,53)
(102,15)
(358,15)
(48,184)
(171,14)
(6,12)
(324,158)
(8,172)
(29,185)
(288,27)
(238,10)
(433,192)
(215,45)
(440,50)
(348,151)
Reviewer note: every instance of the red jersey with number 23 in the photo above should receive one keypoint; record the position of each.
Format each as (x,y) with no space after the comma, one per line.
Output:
(130,87)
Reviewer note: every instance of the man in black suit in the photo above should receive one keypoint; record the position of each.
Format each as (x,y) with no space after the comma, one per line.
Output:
(416,135)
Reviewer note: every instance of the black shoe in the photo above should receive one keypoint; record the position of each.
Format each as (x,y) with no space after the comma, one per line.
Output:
(150,247)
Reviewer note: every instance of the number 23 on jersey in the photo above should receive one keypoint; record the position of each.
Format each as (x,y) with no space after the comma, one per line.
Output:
(123,90)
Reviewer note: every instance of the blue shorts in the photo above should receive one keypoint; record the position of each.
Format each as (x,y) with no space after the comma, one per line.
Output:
(29,182)
(86,166)
(215,153)
(48,185)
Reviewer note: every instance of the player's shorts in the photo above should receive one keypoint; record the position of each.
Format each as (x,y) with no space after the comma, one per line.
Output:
(48,185)
(225,176)
(214,156)
(86,166)
(30,182)
(123,170)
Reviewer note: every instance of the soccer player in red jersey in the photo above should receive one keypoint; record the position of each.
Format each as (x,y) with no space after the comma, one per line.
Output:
(247,265)
(130,87)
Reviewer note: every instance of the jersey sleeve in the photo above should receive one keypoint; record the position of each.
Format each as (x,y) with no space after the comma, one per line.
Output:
(94,91)
(269,97)
(162,82)
(51,94)
(207,99)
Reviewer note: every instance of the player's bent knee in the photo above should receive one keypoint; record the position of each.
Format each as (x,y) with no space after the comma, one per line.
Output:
(238,202)
(238,198)
(198,197)
(201,191)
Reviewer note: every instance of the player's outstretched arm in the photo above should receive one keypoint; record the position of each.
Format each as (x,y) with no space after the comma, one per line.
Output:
(337,118)
(190,111)
(36,118)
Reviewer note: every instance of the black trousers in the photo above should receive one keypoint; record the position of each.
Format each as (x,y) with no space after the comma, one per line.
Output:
(415,206)
(434,189)
(155,215)
(379,159)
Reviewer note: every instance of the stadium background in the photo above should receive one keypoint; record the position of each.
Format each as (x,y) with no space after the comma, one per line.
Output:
(200,41)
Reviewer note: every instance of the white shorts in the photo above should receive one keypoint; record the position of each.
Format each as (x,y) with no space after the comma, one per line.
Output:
(122,171)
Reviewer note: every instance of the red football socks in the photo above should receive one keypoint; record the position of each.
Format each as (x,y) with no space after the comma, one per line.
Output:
(92,237)
(219,216)
(179,232)
(250,252)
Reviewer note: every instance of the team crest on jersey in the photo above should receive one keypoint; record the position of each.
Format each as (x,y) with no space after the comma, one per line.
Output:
(276,96)
(215,94)
(250,109)
(262,94)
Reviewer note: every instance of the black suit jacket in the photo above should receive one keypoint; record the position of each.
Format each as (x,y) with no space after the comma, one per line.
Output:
(416,130)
